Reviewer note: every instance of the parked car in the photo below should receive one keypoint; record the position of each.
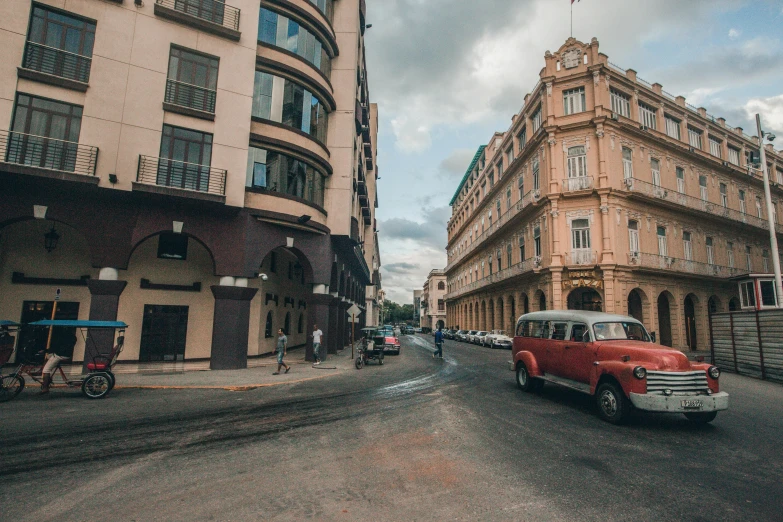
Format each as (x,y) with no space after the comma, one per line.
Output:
(461,335)
(498,339)
(417,330)
(613,358)
(479,337)
(450,334)
(471,334)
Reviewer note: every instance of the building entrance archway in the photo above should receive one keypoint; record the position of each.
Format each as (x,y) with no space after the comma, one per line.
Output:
(664,320)
(635,308)
(585,299)
(690,323)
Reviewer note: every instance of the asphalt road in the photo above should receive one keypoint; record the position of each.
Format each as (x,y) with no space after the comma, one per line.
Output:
(415,439)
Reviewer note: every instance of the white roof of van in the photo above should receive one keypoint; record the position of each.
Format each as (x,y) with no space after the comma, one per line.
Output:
(584,316)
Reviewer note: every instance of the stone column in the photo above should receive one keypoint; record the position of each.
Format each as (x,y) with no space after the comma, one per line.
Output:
(607,254)
(333,341)
(610,305)
(230,326)
(104,303)
(318,309)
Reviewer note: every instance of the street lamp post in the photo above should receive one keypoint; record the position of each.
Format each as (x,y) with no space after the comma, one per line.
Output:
(773,239)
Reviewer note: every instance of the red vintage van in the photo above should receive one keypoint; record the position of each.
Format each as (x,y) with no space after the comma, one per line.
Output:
(613,358)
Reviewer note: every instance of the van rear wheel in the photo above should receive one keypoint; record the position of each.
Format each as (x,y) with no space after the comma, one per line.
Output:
(525,382)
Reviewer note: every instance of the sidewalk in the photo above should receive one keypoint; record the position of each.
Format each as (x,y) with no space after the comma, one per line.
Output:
(257,375)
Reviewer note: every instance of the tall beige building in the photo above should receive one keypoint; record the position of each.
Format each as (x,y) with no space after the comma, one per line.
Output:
(203,171)
(608,193)
(433,304)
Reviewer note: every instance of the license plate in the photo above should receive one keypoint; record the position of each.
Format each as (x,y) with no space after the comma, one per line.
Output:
(692,404)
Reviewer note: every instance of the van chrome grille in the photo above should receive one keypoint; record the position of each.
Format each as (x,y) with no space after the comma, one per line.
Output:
(680,383)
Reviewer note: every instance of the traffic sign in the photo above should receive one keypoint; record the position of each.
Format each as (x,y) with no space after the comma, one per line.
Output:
(57,295)
(354,310)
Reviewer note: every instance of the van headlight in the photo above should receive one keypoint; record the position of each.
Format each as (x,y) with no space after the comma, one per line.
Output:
(639,372)
(713,372)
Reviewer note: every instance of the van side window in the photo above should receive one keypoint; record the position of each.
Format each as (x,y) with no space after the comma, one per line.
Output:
(577,331)
(523,329)
(538,329)
(559,331)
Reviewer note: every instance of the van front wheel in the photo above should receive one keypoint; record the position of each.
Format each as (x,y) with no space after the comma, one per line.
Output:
(613,406)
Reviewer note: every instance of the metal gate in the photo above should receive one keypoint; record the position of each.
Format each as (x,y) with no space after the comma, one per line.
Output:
(749,343)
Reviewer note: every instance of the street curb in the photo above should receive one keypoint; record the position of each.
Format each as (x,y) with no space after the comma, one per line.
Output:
(238,387)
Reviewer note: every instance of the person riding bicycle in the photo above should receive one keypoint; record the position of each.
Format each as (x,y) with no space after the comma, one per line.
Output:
(59,351)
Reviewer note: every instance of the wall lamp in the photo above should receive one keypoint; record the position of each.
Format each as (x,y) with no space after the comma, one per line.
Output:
(50,239)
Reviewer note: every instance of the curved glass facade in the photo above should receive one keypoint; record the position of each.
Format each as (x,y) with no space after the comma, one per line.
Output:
(280,31)
(325,7)
(283,101)
(277,172)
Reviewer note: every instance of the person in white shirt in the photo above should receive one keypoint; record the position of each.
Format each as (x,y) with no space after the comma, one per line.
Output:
(316,335)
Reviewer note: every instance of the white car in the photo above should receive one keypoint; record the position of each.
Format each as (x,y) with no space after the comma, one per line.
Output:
(471,335)
(479,337)
(498,339)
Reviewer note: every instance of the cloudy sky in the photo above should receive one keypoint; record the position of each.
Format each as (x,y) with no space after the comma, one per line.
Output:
(447,74)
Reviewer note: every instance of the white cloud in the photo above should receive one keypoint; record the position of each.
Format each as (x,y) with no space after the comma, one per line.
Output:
(771,111)
(734,33)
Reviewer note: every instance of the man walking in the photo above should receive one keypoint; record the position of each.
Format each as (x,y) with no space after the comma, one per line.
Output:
(316,335)
(282,345)
(438,344)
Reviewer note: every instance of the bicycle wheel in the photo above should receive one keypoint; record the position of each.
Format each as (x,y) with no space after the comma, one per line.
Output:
(10,387)
(96,386)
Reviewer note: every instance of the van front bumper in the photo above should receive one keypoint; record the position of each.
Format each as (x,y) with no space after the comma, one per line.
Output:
(680,403)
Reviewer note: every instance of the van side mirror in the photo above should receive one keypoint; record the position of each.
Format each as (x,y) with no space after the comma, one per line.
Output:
(586,337)
(652,336)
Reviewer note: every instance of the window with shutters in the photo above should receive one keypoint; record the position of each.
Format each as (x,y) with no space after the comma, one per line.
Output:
(672,127)
(574,101)
(580,234)
(633,237)
(508,199)
(497,208)
(535,173)
(627,163)
(621,103)
(663,249)
(535,120)
(500,172)
(522,137)
(510,156)
(779,176)
(489,216)
(537,240)
(655,166)
(742,201)
(703,187)
(730,253)
(508,255)
(687,246)
(680,180)
(748,260)
(694,138)
(724,195)
(500,260)
(521,187)
(522,249)
(647,115)
(715,146)
(710,253)
(733,156)
(577,162)
(758,207)
(765,260)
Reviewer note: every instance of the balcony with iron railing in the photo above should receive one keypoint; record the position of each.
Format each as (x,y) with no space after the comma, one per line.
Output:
(47,157)
(55,66)
(581,257)
(180,178)
(686,266)
(189,99)
(518,269)
(694,204)
(213,16)
(527,201)
(577,184)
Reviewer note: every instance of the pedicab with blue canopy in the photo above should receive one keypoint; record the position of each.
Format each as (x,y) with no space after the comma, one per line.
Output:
(95,384)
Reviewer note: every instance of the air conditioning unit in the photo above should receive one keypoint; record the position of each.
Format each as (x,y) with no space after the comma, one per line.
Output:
(633,257)
(615,116)
(691,149)
(644,127)
(660,193)
(725,163)
(536,194)
(628,182)
(669,262)
(537,261)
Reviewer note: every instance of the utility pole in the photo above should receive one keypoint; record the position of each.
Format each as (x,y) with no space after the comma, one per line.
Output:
(773,239)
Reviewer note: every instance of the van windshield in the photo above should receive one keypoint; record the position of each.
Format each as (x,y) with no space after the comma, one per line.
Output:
(620,330)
